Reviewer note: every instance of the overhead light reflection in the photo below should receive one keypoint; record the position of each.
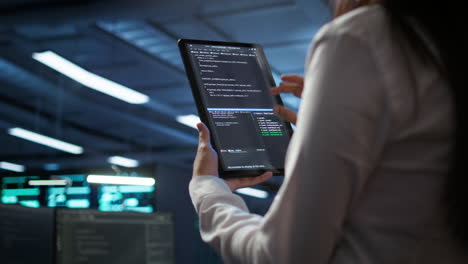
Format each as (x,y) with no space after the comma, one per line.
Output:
(89,79)
(124,180)
(45,140)
(47,182)
(189,120)
(122,161)
(11,166)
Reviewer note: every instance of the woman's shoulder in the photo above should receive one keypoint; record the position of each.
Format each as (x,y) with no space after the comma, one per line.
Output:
(366,23)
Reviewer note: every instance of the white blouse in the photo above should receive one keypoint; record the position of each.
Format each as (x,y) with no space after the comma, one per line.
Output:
(365,168)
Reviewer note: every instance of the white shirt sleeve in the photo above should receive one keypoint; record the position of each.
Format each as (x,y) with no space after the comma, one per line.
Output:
(342,125)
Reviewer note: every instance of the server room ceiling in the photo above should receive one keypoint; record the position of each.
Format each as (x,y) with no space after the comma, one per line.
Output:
(132,43)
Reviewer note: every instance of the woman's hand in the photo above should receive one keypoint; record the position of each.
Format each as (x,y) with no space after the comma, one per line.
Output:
(237,183)
(290,84)
(206,163)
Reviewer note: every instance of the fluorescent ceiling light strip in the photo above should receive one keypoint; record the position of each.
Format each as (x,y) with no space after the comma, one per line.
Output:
(189,120)
(122,161)
(11,166)
(104,179)
(45,140)
(253,192)
(89,79)
(47,182)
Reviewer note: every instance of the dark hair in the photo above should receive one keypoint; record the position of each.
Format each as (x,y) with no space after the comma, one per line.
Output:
(443,24)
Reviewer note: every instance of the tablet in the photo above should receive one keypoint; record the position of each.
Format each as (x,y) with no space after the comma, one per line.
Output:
(230,83)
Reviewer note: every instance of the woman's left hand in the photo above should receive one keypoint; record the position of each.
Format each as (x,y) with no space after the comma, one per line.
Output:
(206,163)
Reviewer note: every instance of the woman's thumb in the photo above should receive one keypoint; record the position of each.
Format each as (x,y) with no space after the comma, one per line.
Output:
(203,132)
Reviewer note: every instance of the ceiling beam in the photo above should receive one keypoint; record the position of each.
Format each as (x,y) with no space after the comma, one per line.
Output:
(87,12)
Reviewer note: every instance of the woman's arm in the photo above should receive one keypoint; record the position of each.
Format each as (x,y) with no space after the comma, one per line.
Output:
(342,125)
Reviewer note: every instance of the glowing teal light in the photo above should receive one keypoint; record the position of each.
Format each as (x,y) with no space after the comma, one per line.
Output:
(19,179)
(9,199)
(108,197)
(131,202)
(60,198)
(128,189)
(78,190)
(34,204)
(78,203)
(51,203)
(143,209)
(70,190)
(107,207)
(20,192)
(55,191)
(73,177)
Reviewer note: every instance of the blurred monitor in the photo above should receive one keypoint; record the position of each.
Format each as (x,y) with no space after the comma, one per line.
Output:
(95,237)
(26,235)
(15,190)
(119,198)
(76,195)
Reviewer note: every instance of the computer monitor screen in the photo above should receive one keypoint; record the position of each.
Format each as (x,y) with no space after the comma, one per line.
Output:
(75,195)
(26,235)
(15,190)
(119,198)
(96,237)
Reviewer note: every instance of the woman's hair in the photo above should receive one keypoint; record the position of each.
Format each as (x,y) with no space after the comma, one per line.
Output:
(341,7)
(443,24)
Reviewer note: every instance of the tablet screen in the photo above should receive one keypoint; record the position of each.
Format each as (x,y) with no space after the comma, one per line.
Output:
(233,84)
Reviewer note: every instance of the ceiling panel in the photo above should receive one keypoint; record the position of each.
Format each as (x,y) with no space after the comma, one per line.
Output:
(220,7)
(90,53)
(147,37)
(40,32)
(179,95)
(141,75)
(268,26)
(12,146)
(173,57)
(193,29)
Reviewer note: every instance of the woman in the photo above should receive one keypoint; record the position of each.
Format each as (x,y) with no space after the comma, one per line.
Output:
(374,170)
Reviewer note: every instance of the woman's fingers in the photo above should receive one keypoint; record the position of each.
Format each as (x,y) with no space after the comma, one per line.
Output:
(286,88)
(285,114)
(290,84)
(238,183)
(293,78)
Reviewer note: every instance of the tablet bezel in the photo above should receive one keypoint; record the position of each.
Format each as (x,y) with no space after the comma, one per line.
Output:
(203,113)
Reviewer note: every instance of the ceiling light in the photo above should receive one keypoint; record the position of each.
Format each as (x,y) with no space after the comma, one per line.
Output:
(125,162)
(45,140)
(189,120)
(47,182)
(89,79)
(103,179)
(11,166)
(253,192)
